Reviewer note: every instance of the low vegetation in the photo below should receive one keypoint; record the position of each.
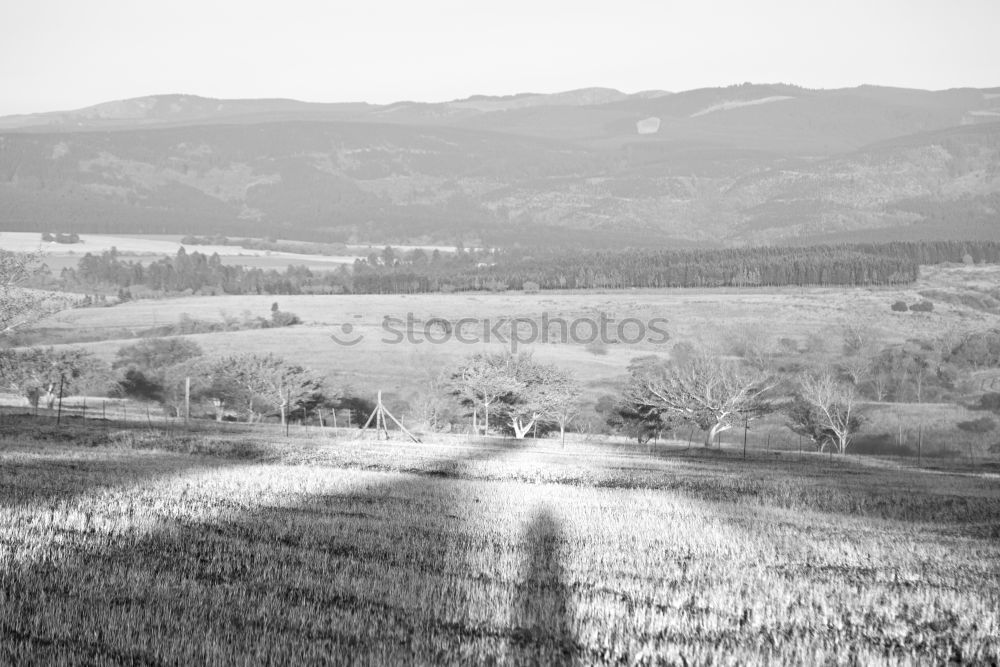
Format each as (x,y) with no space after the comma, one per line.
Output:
(125,551)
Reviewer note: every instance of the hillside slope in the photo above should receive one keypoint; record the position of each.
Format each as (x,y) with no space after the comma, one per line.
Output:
(745,163)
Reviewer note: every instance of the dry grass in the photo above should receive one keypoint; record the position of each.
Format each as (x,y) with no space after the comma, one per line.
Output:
(304,551)
(374,364)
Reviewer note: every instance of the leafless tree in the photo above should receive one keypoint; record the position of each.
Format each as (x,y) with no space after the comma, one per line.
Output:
(561,400)
(484,379)
(270,380)
(753,343)
(712,392)
(18,306)
(832,409)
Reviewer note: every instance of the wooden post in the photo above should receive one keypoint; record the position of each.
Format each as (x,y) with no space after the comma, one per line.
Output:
(746,427)
(187,399)
(920,442)
(59,412)
(84,407)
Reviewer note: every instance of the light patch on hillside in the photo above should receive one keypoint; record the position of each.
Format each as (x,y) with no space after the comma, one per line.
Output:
(229,185)
(648,125)
(60,150)
(736,104)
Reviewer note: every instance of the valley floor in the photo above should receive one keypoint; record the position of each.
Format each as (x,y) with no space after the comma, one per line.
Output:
(146,548)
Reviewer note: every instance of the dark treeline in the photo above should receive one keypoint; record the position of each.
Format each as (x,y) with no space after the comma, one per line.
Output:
(415,271)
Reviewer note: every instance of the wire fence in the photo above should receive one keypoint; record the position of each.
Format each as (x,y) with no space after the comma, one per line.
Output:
(910,445)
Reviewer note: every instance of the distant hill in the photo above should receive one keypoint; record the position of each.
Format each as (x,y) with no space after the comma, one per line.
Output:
(749,163)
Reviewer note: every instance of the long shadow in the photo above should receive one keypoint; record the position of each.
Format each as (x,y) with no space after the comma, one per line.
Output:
(40,464)
(352,574)
(542,612)
(837,485)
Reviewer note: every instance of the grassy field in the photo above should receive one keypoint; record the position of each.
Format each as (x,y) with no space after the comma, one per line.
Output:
(691,315)
(122,547)
(402,370)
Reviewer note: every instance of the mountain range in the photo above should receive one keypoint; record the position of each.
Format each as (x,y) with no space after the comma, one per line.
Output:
(593,167)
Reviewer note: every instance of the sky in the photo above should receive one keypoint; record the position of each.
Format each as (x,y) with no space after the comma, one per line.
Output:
(66,54)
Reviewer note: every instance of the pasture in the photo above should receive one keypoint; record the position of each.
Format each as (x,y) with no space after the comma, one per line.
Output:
(154,547)
(376,362)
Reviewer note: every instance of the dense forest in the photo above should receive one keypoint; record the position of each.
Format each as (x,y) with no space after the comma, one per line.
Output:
(416,271)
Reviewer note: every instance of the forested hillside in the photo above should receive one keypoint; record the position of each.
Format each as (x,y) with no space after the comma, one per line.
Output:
(595,168)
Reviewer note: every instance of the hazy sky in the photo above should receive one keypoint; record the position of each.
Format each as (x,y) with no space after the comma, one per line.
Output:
(62,54)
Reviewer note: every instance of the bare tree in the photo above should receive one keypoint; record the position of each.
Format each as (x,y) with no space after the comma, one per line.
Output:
(42,373)
(827,410)
(861,350)
(270,380)
(561,400)
(432,403)
(18,306)
(713,393)
(518,388)
(753,343)
(484,379)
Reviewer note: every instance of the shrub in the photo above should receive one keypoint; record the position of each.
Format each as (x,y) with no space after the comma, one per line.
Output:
(597,347)
(990,401)
(981,425)
(900,307)
(922,307)
(280,318)
(881,444)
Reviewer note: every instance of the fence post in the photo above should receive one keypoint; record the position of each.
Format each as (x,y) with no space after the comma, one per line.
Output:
(59,411)
(746,427)
(920,443)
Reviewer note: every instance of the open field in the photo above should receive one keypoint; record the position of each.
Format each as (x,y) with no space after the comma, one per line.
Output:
(131,550)
(691,314)
(145,248)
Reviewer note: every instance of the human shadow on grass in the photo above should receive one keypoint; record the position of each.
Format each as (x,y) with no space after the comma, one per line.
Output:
(542,611)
